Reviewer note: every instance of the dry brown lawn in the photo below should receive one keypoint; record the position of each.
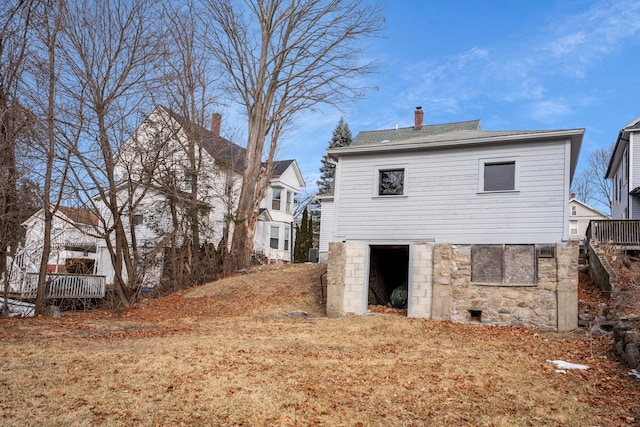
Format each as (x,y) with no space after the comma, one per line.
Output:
(256,350)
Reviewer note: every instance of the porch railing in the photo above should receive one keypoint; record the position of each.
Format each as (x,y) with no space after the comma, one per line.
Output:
(65,286)
(622,232)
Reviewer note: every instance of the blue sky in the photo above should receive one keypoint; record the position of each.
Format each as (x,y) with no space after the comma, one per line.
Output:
(515,65)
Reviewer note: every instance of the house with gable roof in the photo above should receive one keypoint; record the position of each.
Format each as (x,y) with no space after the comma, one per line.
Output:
(470,224)
(157,155)
(73,241)
(624,172)
(580,214)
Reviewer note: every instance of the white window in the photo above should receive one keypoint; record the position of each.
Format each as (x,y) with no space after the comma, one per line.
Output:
(276,198)
(574,210)
(289,201)
(573,228)
(275,236)
(287,232)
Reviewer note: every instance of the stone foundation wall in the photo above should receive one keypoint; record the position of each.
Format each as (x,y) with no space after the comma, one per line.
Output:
(441,287)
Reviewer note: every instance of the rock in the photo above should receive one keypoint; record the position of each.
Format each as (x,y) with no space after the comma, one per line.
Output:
(52,311)
(399,296)
(632,355)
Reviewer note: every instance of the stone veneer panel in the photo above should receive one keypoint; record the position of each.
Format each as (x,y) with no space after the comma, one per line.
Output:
(442,279)
(567,258)
(335,279)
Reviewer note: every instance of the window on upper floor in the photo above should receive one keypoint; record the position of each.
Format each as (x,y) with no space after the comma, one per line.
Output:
(274,237)
(138,219)
(289,201)
(391,182)
(498,176)
(276,198)
(574,210)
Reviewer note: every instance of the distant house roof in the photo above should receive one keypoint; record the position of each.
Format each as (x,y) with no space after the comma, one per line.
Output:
(618,149)
(218,147)
(280,166)
(376,136)
(81,216)
(596,211)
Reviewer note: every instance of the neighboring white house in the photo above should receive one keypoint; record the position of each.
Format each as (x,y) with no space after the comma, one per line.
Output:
(160,145)
(579,216)
(73,241)
(624,173)
(472,223)
(73,246)
(275,230)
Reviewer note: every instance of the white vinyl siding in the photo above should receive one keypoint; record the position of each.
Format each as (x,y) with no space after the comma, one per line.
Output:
(444,204)
(326,226)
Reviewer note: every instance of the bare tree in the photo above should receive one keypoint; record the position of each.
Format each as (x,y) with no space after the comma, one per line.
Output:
(15,120)
(280,58)
(591,185)
(111,50)
(49,19)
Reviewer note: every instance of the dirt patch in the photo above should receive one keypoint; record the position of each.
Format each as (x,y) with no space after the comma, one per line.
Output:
(247,351)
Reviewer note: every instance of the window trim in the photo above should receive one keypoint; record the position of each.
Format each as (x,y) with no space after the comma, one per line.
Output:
(572,223)
(274,200)
(376,180)
(271,238)
(482,163)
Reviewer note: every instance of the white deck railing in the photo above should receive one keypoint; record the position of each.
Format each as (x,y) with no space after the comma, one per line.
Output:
(65,286)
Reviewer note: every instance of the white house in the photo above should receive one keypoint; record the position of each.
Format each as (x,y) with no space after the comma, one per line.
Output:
(73,248)
(154,161)
(624,173)
(73,241)
(472,223)
(579,216)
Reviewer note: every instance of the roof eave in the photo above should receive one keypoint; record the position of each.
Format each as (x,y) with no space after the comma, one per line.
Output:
(414,144)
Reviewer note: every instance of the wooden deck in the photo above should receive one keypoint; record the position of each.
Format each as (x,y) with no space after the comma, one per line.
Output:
(619,232)
(61,286)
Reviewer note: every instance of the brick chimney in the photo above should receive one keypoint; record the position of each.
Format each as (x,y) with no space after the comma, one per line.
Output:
(573,195)
(215,123)
(419,114)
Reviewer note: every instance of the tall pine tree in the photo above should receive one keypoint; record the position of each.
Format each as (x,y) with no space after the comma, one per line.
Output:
(341,138)
(304,238)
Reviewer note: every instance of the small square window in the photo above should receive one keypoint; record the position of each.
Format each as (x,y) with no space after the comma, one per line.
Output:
(500,176)
(391,182)
(137,219)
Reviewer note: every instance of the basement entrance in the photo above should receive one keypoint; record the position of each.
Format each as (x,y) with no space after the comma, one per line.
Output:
(388,275)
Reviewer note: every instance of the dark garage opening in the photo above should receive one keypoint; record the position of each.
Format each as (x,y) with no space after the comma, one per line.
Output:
(388,271)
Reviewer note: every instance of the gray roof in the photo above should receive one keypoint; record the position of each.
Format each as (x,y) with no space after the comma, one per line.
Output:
(218,147)
(376,136)
(280,166)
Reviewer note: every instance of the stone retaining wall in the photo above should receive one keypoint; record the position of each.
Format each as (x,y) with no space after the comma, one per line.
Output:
(600,272)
